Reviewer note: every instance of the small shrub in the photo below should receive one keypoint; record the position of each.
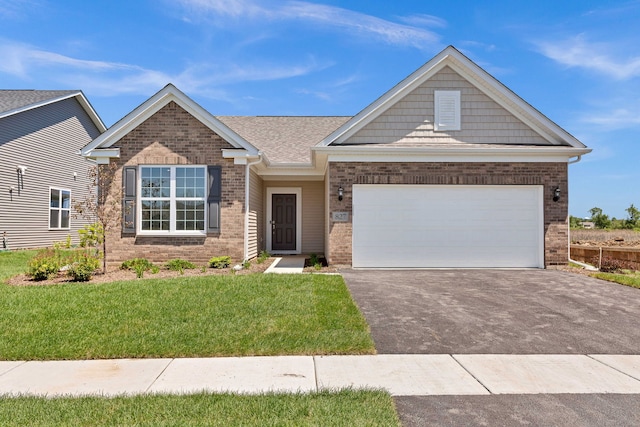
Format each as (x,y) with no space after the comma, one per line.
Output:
(264,255)
(220,262)
(179,265)
(315,262)
(612,265)
(83,268)
(91,235)
(63,245)
(44,265)
(139,265)
(246,264)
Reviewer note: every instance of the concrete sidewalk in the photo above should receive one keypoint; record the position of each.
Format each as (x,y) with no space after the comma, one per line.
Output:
(401,375)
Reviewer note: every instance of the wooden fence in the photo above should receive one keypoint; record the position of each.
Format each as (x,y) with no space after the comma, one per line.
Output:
(593,254)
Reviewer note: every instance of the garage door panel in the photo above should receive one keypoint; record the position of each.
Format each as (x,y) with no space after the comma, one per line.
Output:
(447,226)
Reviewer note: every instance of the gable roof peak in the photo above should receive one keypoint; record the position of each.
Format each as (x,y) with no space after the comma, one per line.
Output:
(151,106)
(16,101)
(475,75)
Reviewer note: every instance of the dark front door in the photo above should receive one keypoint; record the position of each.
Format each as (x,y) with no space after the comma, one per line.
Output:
(283,224)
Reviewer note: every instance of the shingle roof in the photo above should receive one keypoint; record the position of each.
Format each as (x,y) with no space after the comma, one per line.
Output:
(284,139)
(17,99)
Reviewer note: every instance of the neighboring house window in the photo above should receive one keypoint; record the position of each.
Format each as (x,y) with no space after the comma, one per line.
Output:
(447,110)
(173,199)
(59,208)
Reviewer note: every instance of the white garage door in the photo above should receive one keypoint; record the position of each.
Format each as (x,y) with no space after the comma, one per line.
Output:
(447,226)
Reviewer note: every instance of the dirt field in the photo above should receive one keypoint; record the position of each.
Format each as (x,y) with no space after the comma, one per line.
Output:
(612,238)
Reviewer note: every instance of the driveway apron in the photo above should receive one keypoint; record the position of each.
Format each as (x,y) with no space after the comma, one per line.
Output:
(519,312)
(496,312)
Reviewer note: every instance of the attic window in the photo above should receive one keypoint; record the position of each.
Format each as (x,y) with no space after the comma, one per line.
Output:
(447,110)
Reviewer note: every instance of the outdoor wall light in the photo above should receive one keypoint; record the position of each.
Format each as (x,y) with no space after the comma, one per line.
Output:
(556,194)
(340,193)
(22,170)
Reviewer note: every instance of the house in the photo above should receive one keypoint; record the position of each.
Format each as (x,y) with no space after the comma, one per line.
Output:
(41,170)
(447,169)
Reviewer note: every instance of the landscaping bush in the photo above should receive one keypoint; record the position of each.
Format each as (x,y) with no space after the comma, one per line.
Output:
(83,268)
(264,255)
(180,265)
(612,265)
(315,262)
(139,265)
(220,262)
(91,235)
(44,265)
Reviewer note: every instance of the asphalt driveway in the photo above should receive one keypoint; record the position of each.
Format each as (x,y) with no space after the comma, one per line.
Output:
(502,312)
(496,312)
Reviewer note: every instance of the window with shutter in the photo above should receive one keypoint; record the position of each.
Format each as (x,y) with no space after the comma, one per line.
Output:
(171,199)
(447,110)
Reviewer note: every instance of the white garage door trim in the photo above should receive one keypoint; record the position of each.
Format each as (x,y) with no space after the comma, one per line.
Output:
(447,226)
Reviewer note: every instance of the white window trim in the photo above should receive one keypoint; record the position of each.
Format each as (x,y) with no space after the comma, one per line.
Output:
(269,217)
(446,120)
(172,203)
(59,209)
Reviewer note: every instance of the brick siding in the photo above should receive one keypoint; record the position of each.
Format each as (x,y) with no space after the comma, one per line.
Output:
(549,175)
(174,137)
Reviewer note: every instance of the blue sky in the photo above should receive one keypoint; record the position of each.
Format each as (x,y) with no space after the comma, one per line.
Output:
(578,62)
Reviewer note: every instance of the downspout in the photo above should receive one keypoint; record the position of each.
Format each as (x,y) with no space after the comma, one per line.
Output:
(246,202)
(577,159)
(582,264)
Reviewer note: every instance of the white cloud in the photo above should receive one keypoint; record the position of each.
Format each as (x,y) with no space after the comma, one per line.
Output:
(579,52)
(14,9)
(619,118)
(112,78)
(423,20)
(323,15)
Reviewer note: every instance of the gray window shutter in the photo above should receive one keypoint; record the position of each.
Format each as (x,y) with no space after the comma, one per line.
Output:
(129,200)
(214,197)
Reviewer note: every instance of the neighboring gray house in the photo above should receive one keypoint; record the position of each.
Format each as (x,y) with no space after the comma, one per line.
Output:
(41,171)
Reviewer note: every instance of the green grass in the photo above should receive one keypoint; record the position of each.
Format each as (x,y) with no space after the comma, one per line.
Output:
(186,317)
(347,407)
(630,279)
(203,316)
(14,262)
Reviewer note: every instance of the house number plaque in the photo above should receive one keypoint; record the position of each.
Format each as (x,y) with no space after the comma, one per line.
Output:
(340,216)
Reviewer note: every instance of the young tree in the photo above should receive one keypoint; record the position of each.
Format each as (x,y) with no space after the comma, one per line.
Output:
(634,217)
(600,220)
(97,206)
(575,222)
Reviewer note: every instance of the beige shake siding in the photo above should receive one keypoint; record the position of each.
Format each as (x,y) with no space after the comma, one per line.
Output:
(410,121)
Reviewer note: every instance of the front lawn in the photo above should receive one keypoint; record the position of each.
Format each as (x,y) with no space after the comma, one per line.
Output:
(14,262)
(257,314)
(630,279)
(343,408)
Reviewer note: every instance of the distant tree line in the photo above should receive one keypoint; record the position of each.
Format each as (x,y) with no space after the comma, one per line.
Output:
(602,221)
